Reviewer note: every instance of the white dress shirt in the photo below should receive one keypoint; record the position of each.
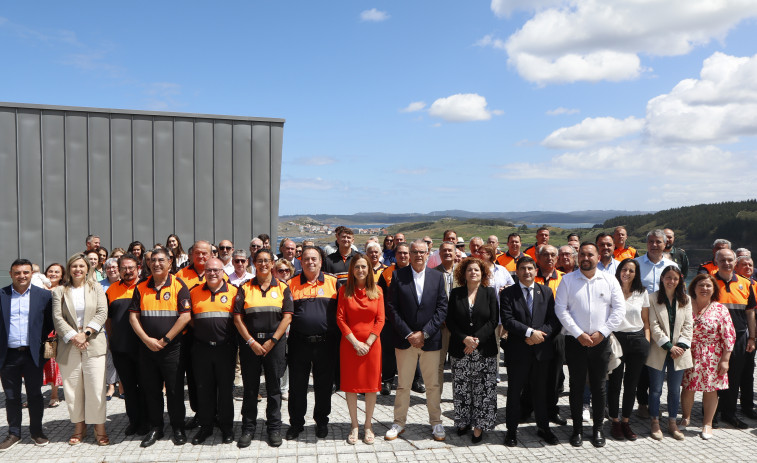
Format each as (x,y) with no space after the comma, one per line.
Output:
(228,268)
(18,334)
(236,280)
(587,305)
(419,278)
(650,272)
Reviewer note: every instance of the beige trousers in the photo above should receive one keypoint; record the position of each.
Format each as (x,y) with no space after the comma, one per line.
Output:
(407,359)
(442,356)
(84,386)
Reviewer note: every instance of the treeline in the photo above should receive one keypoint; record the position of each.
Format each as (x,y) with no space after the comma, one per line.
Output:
(733,220)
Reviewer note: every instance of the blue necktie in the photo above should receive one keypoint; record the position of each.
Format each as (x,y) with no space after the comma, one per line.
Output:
(529,301)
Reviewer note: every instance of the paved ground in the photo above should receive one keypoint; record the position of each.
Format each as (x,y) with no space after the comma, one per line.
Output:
(414,445)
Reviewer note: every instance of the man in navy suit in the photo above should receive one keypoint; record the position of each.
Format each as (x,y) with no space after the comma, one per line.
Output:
(26,320)
(528,314)
(417,307)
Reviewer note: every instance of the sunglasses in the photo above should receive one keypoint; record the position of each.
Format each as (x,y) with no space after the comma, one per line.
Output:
(225,248)
(240,261)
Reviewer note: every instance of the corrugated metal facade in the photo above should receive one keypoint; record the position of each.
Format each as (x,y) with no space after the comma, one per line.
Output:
(68,172)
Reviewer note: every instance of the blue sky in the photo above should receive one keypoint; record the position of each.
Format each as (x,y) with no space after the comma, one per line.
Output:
(430,105)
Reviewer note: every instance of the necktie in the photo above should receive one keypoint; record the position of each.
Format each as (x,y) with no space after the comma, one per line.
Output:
(529,301)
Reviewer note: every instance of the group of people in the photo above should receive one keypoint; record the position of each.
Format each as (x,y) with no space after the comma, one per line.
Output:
(623,324)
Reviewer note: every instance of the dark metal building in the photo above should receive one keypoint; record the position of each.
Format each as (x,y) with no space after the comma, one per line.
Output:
(66,172)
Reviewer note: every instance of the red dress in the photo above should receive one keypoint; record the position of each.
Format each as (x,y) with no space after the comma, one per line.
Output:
(361,317)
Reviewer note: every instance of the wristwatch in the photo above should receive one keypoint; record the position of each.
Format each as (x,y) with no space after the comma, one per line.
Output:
(274,340)
(88,333)
(166,339)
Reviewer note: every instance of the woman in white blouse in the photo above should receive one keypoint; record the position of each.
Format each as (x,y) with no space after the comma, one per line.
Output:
(79,313)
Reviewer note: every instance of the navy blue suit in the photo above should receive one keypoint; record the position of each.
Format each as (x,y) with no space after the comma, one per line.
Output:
(26,362)
(408,316)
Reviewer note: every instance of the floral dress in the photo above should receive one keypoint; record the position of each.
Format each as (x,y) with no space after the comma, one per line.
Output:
(713,335)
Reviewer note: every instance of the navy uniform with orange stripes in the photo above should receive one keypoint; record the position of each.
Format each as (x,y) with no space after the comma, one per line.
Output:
(708,267)
(313,344)
(338,265)
(262,312)
(158,311)
(124,347)
(214,353)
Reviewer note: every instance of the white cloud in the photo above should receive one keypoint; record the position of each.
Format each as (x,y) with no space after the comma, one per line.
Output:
(593,130)
(490,41)
(317,183)
(374,15)
(593,40)
(413,107)
(503,8)
(560,111)
(315,161)
(462,107)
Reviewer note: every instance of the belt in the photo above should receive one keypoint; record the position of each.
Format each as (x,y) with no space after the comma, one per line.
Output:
(310,339)
(263,335)
(19,349)
(213,343)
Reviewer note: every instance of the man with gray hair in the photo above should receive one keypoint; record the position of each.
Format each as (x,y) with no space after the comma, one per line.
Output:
(711,266)
(653,262)
(676,254)
(288,250)
(240,274)
(566,259)
(92,242)
(475,244)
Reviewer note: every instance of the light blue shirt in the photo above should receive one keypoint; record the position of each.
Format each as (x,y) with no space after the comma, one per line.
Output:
(611,268)
(18,335)
(650,272)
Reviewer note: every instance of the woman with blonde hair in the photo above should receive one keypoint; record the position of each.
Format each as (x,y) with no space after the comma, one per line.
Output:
(79,313)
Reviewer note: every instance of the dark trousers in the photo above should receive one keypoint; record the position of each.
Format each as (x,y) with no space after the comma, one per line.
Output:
(554,381)
(127,366)
(155,369)
(729,397)
(19,364)
(272,365)
(524,372)
(187,341)
(635,351)
(303,357)
(582,360)
(642,387)
(747,383)
(214,376)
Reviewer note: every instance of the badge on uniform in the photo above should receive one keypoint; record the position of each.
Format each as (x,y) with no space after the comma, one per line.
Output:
(186,304)
(274,294)
(224,299)
(320,292)
(166,296)
(741,287)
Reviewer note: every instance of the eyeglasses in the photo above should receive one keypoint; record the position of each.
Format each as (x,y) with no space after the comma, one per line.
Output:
(262,261)
(240,261)
(214,251)
(213,270)
(225,248)
(417,253)
(256,246)
(428,242)
(283,270)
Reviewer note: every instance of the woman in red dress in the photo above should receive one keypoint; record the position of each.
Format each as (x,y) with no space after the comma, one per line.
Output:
(360,316)
(50,372)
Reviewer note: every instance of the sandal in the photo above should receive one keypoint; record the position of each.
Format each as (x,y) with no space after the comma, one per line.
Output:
(53,403)
(101,436)
(683,424)
(369,438)
(77,437)
(352,438)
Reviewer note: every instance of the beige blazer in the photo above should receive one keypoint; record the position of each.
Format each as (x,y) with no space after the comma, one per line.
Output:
(95,314)
(659,325)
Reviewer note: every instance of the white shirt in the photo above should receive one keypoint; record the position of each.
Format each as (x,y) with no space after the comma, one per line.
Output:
(77,295)
(611,268)
(633,322)
(228,268)
(586,305)
(501,278)
(650,272)
(239,281)
(419,278)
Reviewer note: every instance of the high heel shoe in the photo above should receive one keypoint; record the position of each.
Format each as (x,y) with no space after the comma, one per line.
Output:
(80,429)
(101,436)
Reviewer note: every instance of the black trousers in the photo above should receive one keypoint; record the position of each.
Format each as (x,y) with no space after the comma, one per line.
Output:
(303,357)
(187,341)
(582,360)
(526,374)
(642,387)
(19,364)
(729,397)
(635,351)
(214,376)
(127,366)
(272,365)
(155,369)
(747,383)
(554,380)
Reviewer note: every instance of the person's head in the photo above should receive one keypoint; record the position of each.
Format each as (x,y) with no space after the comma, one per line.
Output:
(174,244)
(128,268)
(399,238)
(311,262)
(418,255)
(619,236)
(55,273)
(21,274)
(655,245)
(160,263)
(111,269)
(389,242)
(239,261)
(429,242)
(103,253)
(493,240)
(474,245)
(629,276)
(92,242)
(670,237)
(719,244)
(513,244)
(566,258)
(263,260)
(214,273)
(743,252)
(298,251)
(117,252)
(288,249)
(488,253)
(402,254)
(704,288)
(136,248)
(201,252)
(588,256)
(213,250)
(547,258)
(307,243)
(93,257)
(542,236)
(672,281)
(373,252)
(266,240)
(225,250)
(472,270)
(458,255)
(525,269)
(460,245)
(255,244)
(725,259)
(77,269)
(447,253)
(360,275)
(574,240)
(744,266)
(283,270)
(606,246)
(449,236)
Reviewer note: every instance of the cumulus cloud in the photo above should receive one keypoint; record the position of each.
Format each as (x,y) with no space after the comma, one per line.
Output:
(593,40)
(560,111)
(315,161)
(490,41)
(593,130)
(316,183)
(413,107)
(462,107)
(374,15)
(504,8)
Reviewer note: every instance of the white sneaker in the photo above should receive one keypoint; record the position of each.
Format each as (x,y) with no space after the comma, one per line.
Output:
(394,431)
(438,432)
(586,414)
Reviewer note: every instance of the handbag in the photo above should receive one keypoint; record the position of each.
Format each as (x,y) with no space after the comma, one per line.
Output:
(51,347)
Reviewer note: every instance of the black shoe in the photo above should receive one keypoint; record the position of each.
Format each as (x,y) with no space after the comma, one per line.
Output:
(548,436)
(476,439)
(418,387)
(274,439)
(153,436)
(179,438)
(192,423)
(576,440)
(131,429)
(557,419)
(245,439)
(735,422)
(463,431)
(321,430)
(749,413)
(292,433)
(511,438)
(598,438)
(227,437)
(202,435)
(386,388)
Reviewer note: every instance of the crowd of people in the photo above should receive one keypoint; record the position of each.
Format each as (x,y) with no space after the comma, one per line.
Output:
(156,322)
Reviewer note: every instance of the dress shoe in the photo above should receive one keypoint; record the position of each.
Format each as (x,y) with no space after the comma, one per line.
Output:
(463,431)
(386,388)
(548,436)
(192,423)
(576,440)
(735,422)
(627,431)
(511,438)
(202,435)
(598,438)
(749,413)
(227,437)
(293,433)
(616,431)
(179,437)
(245,439)
(274,439)
(418,387)
(153,436)
(557,419)
(321,430)
(476,439)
